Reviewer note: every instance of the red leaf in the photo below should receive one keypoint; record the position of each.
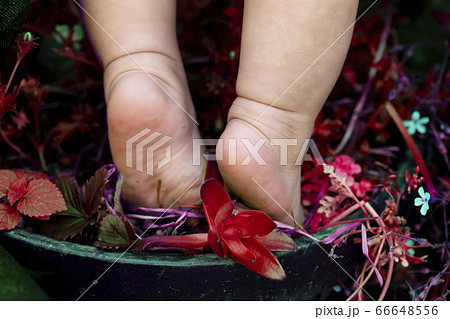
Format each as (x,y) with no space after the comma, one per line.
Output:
(7,177)
(9,217)
(30,175)
(91,194)
(17,190)
(6,101)
(278,241)
(214,196)
(185,241)
(42,198)
(265,264)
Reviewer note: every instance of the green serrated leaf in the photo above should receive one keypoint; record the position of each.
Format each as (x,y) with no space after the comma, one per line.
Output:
(117,205)
(91,194)
(71,192)
(63,226)
(116,231)
(72,212)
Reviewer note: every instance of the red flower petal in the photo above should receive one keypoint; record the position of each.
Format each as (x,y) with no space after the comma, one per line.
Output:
(7,177)
(214,196)
(216,244)
(414,260)
(17,190)
(238,249)
(224,212)
(249,223)
(9,217)
(265,264)
(233,226)
(186,241)
(278,241)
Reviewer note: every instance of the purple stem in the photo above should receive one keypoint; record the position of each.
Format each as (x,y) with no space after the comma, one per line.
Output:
(180,222)
(143,211)
(445,224)
(365,249)
(437,85)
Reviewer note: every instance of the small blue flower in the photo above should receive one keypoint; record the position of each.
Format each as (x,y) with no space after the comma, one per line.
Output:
(422,201)
(337,288)
(416,123)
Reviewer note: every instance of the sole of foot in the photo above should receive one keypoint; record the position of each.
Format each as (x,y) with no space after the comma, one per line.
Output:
(158,100)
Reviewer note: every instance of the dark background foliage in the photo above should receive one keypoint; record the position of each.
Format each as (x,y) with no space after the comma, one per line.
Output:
(58,125)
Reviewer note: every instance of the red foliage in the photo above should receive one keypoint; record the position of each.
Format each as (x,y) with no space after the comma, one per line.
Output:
(28,193)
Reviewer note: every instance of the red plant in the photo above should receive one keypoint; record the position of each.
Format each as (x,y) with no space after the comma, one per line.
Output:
(28,193)
(247,236)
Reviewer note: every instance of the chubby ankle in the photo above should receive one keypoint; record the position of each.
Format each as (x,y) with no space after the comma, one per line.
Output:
(158,66)
(271,121)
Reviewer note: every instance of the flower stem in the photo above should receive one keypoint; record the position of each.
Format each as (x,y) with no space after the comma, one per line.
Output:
(344,214)
(388,278)
(412,146)
(12,75)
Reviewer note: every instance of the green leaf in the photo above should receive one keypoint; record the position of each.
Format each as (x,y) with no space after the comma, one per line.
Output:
(72,212)
(70,222)
(66,224)
(63,29)
(91,194)
(117,205)
(77,47)
(71,192)
(78,33)
(115,231)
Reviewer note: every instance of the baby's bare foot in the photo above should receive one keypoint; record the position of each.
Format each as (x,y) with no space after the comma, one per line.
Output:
(136,102)
(270,182)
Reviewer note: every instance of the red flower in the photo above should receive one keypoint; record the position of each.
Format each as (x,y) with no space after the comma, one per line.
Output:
(362,187)
(345,166)
(247,236)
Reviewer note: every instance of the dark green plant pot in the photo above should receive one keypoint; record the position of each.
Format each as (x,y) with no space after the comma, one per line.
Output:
(65,270)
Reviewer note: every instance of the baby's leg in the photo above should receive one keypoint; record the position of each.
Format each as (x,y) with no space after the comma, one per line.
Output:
(146,30)
(280,40)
